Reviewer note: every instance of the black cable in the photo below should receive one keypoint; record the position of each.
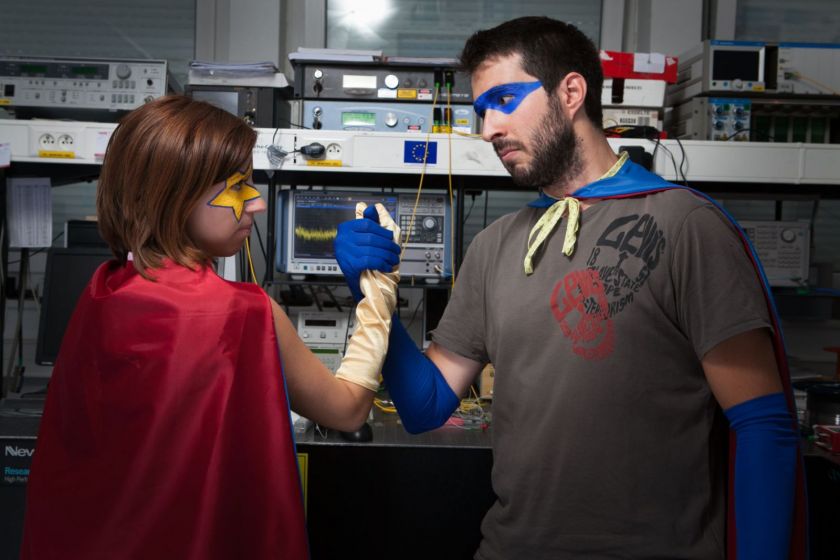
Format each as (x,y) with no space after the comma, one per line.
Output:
(25,256)
(276,154)
(414,314)
(347,328)
(486,199)
(243,270)
(467,217)
(761,132)
(293,124)
(313,150)
(673,161)
(683,161)
(41,250)
(653,155)
(259,239)
(315,297)
(332,298)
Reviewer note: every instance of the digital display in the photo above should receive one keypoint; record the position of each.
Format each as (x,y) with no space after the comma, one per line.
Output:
(33,69)
(324,350)
(317,215)
(320,322)
(736,65)
(85,70)
(357,118)
(356,82)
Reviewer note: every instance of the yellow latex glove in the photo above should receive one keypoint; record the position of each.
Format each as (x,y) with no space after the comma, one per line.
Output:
(362,363)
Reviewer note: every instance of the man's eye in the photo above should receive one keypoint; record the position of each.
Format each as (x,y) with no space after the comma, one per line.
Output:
(505,99)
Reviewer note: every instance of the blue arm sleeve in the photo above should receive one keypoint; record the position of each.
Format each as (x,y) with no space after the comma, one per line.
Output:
(422,396)
(765,476)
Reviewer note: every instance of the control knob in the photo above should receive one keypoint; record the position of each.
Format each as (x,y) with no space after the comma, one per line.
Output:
(318,75)
(123,71)
(391,81)
(429,223)
(788,235)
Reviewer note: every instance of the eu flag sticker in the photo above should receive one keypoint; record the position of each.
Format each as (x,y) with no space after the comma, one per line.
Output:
(413,152)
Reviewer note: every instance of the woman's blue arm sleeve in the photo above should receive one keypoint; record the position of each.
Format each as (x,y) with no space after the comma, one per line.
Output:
(765,476)
(422,396)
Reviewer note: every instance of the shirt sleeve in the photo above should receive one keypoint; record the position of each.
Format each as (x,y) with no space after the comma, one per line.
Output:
(462,328)
(718,289)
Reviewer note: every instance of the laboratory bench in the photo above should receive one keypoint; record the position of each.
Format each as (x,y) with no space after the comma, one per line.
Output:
(397,496)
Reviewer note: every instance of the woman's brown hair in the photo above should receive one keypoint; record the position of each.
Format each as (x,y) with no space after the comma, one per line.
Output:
(160,161)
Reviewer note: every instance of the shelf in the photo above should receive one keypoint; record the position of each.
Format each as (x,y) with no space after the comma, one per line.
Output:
(368,158)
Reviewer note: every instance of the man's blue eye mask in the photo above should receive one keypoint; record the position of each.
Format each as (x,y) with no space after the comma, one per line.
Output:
(493,98)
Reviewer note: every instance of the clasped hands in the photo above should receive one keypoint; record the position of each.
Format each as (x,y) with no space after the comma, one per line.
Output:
(365,245)
(361,245)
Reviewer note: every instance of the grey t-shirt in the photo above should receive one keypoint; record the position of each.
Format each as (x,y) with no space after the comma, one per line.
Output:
(608,442)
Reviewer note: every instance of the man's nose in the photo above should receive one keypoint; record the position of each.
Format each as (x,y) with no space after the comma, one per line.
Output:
(256,205)
(493,125)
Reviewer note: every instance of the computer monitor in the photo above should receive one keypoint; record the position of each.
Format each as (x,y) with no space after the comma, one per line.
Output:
(68,272)
(307,222)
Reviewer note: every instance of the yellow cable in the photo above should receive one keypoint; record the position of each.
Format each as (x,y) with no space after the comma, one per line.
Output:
(451,198)
(422,177)
(471,408)
(384,407)
(250,262)
(449,128)
(818,84)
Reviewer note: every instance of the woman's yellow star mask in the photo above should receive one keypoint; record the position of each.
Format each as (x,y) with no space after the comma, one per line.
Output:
(236,192)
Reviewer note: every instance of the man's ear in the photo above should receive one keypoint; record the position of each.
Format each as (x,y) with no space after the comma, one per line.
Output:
(571,91)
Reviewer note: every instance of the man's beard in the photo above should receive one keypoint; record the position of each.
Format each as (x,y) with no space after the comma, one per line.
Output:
(556,156)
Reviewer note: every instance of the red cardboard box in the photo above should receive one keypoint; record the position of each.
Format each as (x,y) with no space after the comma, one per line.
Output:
(644,66)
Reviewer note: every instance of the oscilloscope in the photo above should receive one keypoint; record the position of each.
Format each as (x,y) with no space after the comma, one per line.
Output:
(307,222)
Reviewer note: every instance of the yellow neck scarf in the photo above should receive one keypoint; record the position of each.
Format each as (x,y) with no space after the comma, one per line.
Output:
(547,222)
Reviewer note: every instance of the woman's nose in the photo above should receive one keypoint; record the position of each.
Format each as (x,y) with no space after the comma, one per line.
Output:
(256,205)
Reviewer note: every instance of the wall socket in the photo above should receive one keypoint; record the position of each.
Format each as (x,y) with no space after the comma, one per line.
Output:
(46,142)
(334,150)
(65,142)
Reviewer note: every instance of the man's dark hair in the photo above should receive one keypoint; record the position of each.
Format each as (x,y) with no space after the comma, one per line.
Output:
(550,49)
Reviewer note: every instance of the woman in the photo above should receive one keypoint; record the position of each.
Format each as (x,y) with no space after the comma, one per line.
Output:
(166,431)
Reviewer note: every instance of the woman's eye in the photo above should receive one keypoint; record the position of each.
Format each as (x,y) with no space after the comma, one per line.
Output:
(237,187)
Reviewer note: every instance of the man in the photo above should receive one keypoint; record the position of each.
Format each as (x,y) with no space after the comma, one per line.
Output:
(623,316)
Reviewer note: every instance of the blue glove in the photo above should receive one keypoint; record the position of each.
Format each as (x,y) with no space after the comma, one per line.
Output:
(364,244)
(423,398)
(765,476)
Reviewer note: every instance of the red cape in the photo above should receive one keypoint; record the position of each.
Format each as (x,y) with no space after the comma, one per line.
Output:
(166,431)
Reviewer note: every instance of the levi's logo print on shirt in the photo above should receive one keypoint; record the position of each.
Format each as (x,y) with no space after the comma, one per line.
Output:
(585,300)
